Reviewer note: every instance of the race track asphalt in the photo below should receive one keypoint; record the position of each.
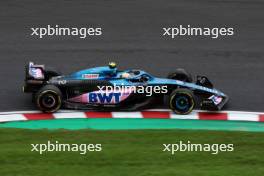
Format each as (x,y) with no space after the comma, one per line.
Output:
(132,36)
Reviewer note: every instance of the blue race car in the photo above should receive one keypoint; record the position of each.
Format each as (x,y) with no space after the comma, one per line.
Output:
(109,89)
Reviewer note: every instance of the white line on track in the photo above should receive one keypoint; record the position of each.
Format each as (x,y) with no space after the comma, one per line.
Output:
(69,115)
(12,117)
(127,115)
(165,110)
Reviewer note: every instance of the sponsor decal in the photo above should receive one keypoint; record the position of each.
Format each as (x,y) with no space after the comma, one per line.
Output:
(90,76)
(216,99)
(205,89)
(36,73)
(62,82)
(102,97)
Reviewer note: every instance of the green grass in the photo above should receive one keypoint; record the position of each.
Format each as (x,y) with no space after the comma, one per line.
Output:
(134,152)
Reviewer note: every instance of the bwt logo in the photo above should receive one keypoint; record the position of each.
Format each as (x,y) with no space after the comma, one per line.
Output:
(104,97)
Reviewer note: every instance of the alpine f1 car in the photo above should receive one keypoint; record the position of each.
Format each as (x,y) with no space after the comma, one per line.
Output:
(96,89)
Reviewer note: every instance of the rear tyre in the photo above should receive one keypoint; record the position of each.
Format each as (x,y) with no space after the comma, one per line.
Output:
(49,99)
(182,101)
(180,74)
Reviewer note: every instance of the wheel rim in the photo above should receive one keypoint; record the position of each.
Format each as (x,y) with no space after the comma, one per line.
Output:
(48,100)
(182,103)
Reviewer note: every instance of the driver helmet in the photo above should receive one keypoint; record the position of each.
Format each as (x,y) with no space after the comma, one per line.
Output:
(112,65)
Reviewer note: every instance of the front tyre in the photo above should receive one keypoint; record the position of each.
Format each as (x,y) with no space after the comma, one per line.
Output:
(49,99)
(181,75)
(182,101)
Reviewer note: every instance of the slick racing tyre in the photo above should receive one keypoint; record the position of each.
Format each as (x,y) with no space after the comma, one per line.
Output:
(49,99)
(180,74)
(182,101)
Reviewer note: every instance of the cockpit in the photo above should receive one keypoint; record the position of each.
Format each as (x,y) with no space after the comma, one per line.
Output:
(135,76)
(131,75)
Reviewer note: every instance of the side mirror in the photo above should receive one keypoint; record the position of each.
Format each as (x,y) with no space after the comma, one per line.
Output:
(204,81)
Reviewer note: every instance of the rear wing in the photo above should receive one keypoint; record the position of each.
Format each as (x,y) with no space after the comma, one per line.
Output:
(34,71)
(34,77)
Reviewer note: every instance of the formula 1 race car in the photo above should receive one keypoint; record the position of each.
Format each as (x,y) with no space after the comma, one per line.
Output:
(109,89)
